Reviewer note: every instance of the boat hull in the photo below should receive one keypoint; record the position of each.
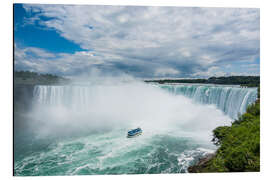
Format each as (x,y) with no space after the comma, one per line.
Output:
(135,135)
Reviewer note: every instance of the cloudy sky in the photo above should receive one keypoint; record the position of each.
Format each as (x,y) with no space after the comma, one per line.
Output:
(145,42)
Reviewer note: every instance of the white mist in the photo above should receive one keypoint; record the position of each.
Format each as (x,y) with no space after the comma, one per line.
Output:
(121,105)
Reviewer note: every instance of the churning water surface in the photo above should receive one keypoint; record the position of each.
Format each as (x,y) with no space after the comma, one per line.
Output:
(81,129)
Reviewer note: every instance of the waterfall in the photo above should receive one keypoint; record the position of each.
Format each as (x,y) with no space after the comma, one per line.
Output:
(92,121)
(232,100)
(73,97)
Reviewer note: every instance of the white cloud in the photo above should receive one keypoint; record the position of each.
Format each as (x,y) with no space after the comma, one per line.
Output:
(212,71)
(39,60)
(185,52)
(39,52)
(166,71)
(187,40)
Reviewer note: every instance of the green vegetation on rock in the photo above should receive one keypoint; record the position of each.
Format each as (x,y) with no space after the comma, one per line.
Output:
(239,145)
(32,78)
(247,81)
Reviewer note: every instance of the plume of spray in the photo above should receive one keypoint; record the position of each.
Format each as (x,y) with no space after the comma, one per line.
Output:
(104,103)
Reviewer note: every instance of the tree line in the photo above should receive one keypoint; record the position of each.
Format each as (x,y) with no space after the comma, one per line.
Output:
(28,77)
(249,81)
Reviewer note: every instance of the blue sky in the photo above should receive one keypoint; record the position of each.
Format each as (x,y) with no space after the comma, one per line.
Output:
(36,35)
(145,42)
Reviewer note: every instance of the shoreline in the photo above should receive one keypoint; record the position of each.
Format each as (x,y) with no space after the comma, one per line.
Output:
(201,164)
(238,145)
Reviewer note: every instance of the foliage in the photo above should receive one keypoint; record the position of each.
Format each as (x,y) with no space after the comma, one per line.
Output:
(249,81)
(178,81)
(28,77)
(219,134)
(246,81)
(239,144)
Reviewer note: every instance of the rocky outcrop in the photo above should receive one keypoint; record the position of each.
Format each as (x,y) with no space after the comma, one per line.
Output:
(201,164)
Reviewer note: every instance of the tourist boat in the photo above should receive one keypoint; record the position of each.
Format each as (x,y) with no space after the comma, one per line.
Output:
(134,132)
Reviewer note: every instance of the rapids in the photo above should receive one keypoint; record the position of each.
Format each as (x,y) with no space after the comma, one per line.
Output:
(81,129)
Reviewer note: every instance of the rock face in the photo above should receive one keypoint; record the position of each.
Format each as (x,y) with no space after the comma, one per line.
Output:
(198,168)
(23,96)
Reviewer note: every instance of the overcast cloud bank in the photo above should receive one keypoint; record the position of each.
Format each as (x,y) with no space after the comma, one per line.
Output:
(146,42)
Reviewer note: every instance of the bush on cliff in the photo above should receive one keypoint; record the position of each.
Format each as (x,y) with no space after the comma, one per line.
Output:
(239,145)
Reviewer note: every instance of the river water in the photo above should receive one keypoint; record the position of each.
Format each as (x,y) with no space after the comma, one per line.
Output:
(81,129)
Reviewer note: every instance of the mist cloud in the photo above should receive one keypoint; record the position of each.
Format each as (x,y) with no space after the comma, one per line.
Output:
(112,105)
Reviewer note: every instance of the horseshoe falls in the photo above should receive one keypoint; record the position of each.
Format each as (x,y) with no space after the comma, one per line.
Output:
(81,129)
(232,100)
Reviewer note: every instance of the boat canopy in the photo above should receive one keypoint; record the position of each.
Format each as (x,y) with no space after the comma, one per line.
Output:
(134,131)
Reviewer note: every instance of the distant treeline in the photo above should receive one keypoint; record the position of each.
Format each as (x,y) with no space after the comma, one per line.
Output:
(28,77)
(249,81)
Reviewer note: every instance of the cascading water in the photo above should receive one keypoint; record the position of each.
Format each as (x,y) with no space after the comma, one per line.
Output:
(81,129)
(232,100)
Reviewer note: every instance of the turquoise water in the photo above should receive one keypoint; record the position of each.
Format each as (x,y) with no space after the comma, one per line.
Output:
(81,130)
(112,153)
